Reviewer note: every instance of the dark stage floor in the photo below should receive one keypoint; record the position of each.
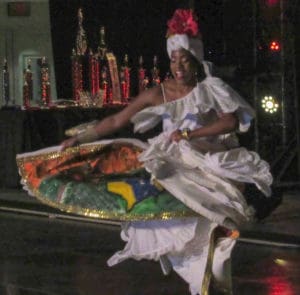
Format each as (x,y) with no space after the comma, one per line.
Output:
(45,253)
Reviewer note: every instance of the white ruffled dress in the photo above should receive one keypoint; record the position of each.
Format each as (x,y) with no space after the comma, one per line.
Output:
(202,174)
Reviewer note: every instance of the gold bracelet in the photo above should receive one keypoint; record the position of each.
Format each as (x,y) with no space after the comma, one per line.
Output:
(80,128)
(89,135)
(185,133)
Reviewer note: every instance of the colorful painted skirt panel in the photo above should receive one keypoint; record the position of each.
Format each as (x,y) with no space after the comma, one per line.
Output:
(104,181)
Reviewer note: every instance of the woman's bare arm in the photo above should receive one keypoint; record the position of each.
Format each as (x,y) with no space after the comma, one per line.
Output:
(116,121)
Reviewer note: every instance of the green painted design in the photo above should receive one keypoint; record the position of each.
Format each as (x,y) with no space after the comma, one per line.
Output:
(95,196)
(164,202)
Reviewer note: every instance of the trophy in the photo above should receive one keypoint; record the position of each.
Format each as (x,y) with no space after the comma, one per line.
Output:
(125,80)
(77,59)
(105,83)
(5,83)
(143,79)
(27,85)
(94,74)
(45,83)
(155,72)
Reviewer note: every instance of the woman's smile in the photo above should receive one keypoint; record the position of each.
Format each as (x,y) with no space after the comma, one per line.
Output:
(179,75)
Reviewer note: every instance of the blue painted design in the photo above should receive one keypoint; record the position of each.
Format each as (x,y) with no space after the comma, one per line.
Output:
(142,188)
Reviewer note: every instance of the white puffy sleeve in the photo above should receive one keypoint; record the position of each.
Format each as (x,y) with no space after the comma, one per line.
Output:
(216,94)
(147,118)
(210,94)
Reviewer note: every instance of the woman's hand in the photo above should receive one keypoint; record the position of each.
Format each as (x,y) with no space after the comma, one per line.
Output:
(176,135)
(69,143)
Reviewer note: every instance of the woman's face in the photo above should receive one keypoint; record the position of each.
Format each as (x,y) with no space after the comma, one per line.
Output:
(183,67)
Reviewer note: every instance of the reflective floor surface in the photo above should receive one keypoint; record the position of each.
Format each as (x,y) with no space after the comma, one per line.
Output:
(43,252)
(51,256)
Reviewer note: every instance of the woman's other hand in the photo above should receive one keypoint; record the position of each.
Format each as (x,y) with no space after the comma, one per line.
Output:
(176,135)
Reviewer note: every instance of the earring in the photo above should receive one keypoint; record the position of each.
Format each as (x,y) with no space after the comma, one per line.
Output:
(196,75)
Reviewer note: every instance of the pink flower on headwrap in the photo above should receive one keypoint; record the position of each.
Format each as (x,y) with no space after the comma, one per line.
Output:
(183,22)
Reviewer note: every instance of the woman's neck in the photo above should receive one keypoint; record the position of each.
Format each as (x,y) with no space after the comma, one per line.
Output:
(176,90)
(184,87)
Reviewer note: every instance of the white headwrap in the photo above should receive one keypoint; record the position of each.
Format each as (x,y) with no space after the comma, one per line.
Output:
(192,44)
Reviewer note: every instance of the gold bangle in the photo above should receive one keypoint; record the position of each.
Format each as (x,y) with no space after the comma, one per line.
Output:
(80,128)
(89,135)
(185,133)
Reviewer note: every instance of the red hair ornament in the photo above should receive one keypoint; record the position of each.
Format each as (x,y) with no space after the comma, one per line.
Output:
(183,33)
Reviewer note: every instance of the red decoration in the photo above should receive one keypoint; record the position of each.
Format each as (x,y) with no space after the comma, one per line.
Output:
(142,76)
(125,84)
(272,2)
(127,80)
(107,94)
(123,89)
(94,74)
(20,8)
(183,22)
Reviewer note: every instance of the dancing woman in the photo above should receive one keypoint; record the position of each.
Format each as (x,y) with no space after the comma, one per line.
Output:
(196,158)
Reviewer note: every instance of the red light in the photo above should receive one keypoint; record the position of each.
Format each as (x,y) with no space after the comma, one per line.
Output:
(272,2)
(274,46)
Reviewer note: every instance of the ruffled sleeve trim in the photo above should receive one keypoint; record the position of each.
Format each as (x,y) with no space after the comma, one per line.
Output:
(223,99)
(147,118)
(211,93)
(177,109)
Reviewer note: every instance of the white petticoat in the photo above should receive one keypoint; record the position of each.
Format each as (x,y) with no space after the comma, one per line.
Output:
(203,183)
(200,176)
